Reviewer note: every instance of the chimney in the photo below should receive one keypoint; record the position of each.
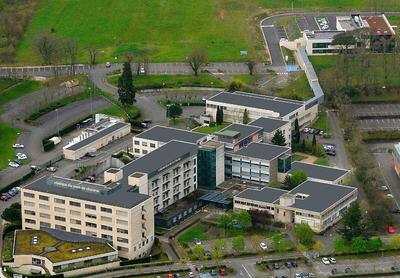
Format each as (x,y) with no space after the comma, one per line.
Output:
(112,175)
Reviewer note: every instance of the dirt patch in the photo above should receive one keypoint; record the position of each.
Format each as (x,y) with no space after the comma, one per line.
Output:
(220,14)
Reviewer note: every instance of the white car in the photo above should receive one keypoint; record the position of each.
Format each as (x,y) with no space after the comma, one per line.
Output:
(51,169)
(263,246)
(13,164)
(21,156)
(325,261)
(108,65)
(332,260)
(389,195)
(18,146)
(142,70)
(324,27)
(191,275)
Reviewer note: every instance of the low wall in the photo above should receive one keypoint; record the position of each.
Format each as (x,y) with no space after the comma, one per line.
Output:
(90,269)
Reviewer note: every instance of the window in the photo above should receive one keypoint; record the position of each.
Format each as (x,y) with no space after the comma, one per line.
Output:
(29,204)
(122,222)
(74,204)
(122,213)
(59,218)
(29,195)
(105,227)
(122,249)
(45,225)
(122,231)
(75,221)
(73,230)
(152,145)
(30,221)
(144,151)
(44,198)
(60,227)
(92,225)
(29,212)
(108,210)
(92,207)
(91,216)
(59,201)
(74,212)
(144,144)
(57,209)
(88,233)
(107,237)
(44,215)
(46,207)
(137,151)
(137,142)
(121,239)
(106,219)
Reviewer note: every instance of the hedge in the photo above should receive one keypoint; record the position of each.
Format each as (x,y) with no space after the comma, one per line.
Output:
(17,182)
(48,145)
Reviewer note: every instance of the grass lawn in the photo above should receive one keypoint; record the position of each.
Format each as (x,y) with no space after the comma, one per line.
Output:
(322,122)
(247,79)
(8,137)
(183,123)
(20,89)
(289,23)
(298,157)
(298,89)
(394,20)
(322,161)
(7,82)
(170,81)
(197,231)
(361,76)
(8,247)
(163,30)
(211,129)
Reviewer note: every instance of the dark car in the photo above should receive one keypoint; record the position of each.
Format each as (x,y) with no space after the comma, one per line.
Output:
(275,266)
(396,210)
(347,270)
(90,154)
(394,268)
(288,264)
(334,271)
(7,195)
(316,131)
(331,152)
(294,264)
(177,275)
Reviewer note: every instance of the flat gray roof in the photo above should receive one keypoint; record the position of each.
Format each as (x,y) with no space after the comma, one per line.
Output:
(166,134)
(123,196)
(266,194)
(279,105)
(269,124)
(244,130)
(165,155)
(324,35)
(262,151)
(97,136)
(320,195)
(318,171)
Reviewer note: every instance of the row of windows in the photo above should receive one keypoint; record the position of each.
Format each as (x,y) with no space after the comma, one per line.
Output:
(144,144)
(71,203)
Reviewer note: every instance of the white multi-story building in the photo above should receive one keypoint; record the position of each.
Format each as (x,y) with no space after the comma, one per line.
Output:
(113,212)
(168,173)
(318,204)
(271,126)
(234,105)
(157,136)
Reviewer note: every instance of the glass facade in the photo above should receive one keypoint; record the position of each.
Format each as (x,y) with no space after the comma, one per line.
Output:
(284,163)
(207,168)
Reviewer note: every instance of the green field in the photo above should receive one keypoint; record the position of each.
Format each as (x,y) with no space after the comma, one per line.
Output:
(322,122)
(6,82)
(171,81)
(211,129)
(8,137)
(18,89)
(198,231)
(298,89)
(163,30)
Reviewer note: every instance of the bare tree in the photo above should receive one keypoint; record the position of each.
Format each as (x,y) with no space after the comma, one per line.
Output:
(47,45)
(251,64)
(92,54)
(71,47)
(197,59)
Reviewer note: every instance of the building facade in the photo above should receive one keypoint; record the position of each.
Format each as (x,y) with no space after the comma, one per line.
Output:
(271,126)
(396,158)
(211,165)
(112,212)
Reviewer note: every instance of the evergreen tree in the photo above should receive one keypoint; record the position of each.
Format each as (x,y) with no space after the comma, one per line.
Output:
(353,224)
(314,141)
(279,138)
(246,119)
(174,111)
(126,91)
(303,145)
(220,116)
(296,132)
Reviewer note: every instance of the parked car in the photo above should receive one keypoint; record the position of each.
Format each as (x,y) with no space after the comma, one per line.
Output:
(390,229)
(3,198)
(177,275)
(325,261)
(147,121)
(275,266)
(214,272)
(35,168)
(13,164)
(191,275)
(18,146)
(142,71)
(197,241)
(144,125)
(52,169)
(263,246)
(383,188)
(7,195)
(394,268)
(207,253)
(332,260)
(334,271)
(288,265)
(347,270)
(108,65)
(396,210)
(389,195)
(222,272)
(294,264)
(21,156)
(90,154)
(331,152)
(298,275)
(306,129)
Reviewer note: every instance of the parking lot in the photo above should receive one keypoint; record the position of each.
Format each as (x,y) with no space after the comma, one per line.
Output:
(377,116)
(379,124)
